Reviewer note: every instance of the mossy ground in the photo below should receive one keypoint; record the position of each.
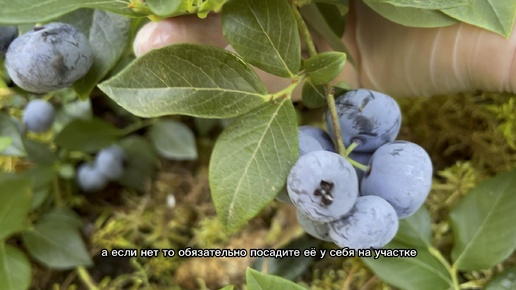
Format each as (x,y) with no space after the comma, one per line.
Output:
(469,137)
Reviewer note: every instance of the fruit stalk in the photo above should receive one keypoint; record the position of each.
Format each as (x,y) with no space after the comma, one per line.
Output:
(330,99)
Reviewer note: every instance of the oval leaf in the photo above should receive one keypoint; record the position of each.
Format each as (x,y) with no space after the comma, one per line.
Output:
(264,33)
(325,67)
(412,17)
(416,230)
(187,79)
(173,140)
(424,4)
(483,224)
(56,242)
(87,135)
(15,202)
(140,165)
(503,281)
(319,22)
(108,34)
(8,128)
(260,281)
(5,142)
(251,160)
(31,11)
(166,8)
(494,15)
(423,272)
(313,96)
(16,272)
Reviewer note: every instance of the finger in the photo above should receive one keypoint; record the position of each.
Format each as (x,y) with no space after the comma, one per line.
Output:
(181,29)
(405,61)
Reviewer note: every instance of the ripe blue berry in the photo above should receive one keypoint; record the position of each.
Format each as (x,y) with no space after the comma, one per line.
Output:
(323,185)
(38,116)
(367,117)
(401,173)
(372,223)
(89,178)
(315,229)
(48,58)
(307,143)
(320,135)
(7,35)
(110,162)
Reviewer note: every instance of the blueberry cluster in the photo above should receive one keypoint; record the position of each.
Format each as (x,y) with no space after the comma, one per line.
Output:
(358,207)
(108,166)
(47,58)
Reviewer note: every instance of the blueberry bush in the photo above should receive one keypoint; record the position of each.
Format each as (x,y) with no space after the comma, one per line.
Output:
(103,155)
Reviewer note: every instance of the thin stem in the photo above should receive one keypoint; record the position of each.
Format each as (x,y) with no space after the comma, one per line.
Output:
(288,90)
(86,278)
(137,126)
(304,31)
(335,120)
(451,270)
(58,198)
(351,147)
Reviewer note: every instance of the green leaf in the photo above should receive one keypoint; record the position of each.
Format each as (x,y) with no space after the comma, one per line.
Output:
(165,8)
(482,224)
(173,140)
(87,135)
(260,281)
(325,67)
(416,230)
(494,15)
(425,4)
(251,160)
(229,287)
(8,128)
(39,153)
(15,272)
(108,34)
(264,33)
(56,242)
(317,21)
(423,272)
(5,142)
(63,217)
(412,17)
(188,79)
(503,281)
(313,96)
(140,164)
(41,178)
(15,201)
(32,11)
(288,267)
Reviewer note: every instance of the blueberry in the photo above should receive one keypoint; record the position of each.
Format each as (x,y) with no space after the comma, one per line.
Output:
(320,135)
(110,162)
(89,178)
(315,229)
(323,185)
(307,144)
(362,158)
(401,173)
(372,223)
(7,35)
(48,58)
(368,117)
(38,116)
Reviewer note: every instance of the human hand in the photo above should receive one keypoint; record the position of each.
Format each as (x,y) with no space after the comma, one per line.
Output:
(396,60)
